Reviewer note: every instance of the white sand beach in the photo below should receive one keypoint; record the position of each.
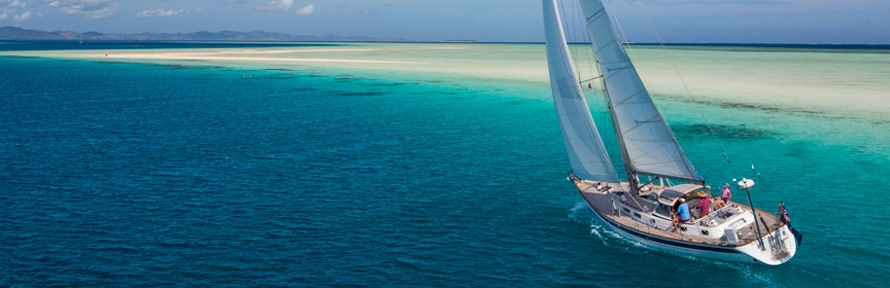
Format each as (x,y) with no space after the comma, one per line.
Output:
(845,84)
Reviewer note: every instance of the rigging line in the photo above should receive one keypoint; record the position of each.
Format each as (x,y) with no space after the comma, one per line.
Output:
(577,31)
(579,37)
(688,92)
(568,32)
(630,52)
(591,79)
(588,50)
(609,137)
(605,116)
(585,37)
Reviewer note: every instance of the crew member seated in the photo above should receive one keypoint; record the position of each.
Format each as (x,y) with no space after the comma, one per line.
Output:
(683,211)
(719,203)
(705,205)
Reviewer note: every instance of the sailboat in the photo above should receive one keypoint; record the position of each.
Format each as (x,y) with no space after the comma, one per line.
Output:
(659,177)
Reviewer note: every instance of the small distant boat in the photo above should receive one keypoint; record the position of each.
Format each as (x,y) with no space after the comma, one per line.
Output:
(642,206)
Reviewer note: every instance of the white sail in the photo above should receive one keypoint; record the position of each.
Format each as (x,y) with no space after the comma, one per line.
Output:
(586,151)
(649,145)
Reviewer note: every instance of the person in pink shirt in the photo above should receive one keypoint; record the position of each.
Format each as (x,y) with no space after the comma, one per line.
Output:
(726,193)
(705,205)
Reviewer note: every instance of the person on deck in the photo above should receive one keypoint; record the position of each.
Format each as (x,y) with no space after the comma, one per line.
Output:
(719,202)
(727,194)
(705,205)
(683,211)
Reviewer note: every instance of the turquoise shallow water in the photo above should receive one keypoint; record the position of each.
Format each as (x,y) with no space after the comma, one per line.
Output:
(130,174)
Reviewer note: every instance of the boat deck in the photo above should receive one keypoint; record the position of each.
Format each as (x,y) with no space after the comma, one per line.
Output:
(599,200)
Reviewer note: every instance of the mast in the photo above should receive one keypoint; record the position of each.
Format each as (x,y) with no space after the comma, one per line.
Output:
(585,148)
(647,144)
(628,171)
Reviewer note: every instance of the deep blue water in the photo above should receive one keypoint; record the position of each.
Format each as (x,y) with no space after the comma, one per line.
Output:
(8,45)
(139,175)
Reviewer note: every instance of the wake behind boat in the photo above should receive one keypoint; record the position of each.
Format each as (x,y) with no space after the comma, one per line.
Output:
(645,212)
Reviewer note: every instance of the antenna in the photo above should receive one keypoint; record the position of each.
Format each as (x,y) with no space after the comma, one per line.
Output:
(747,184)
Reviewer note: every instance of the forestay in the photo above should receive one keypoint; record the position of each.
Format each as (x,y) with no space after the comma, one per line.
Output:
(585,148)
(647,141)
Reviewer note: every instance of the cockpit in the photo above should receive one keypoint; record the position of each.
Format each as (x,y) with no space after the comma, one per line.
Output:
(666,200)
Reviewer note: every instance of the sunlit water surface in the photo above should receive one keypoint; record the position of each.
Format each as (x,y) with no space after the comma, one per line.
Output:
(138,174)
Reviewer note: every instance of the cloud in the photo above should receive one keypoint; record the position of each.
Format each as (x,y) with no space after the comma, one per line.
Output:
(306,10)
(276,5)
(8,7)
(160,13)
(13,4)
(88,9)
(22,17)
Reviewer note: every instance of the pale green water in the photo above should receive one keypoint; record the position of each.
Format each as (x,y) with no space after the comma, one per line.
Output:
(847,84)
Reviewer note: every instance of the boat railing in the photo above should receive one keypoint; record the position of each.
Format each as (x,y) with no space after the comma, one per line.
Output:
(721,214)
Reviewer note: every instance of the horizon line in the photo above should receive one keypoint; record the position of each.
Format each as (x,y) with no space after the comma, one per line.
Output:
(470,42)
(396,40)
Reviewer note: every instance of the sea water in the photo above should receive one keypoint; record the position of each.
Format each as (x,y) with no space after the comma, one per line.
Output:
(175,173)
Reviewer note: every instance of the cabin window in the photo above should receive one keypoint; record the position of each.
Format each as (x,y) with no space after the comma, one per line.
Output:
(637,215)
(704,232)
(663,210)
(625,210)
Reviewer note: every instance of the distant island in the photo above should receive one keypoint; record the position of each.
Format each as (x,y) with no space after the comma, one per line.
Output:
(16,33)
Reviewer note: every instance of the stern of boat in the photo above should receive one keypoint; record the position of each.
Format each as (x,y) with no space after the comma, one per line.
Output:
(780,246)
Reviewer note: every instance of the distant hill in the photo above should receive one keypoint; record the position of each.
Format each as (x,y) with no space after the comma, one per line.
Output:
(15,33)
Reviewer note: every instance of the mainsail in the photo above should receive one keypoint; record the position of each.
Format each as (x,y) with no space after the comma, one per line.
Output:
(649,146)
(583,143)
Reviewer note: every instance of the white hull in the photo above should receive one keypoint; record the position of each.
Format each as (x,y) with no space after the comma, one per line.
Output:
(750,253)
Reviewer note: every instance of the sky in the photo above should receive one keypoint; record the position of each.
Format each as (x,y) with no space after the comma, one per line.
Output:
(677,21)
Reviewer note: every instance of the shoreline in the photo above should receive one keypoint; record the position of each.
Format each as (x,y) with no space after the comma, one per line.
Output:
(827,83)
